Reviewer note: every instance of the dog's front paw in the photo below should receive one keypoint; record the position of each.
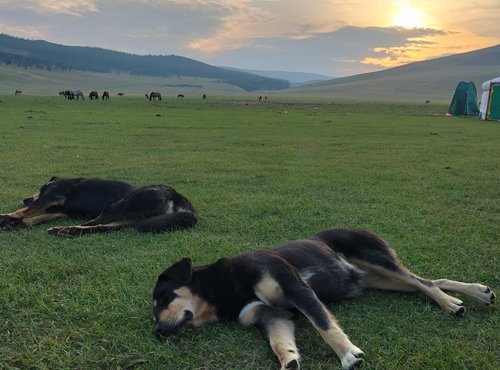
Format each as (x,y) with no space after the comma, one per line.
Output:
(9,223)
(352,359)
(64,231)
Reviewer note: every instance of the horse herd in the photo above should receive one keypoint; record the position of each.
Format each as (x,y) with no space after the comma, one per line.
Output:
(94,95)
(77,94)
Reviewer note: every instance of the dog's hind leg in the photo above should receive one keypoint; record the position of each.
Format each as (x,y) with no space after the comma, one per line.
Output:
(479,292)
(276,326)
(374,255)
(401,279)
(82,230)
(167,222)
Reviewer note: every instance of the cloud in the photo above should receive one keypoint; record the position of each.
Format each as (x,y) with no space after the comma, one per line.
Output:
(410,48)
(69,7)
(240,23)
(29,32)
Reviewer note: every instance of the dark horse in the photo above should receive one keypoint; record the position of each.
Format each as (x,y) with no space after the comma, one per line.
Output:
(105,95)
(18,92)
(94,95)
(74,94)
(154,95)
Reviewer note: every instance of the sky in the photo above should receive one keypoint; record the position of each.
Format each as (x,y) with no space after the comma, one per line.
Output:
(330,37)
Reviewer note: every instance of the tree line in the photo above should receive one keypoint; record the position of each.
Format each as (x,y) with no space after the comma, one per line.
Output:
(49,56)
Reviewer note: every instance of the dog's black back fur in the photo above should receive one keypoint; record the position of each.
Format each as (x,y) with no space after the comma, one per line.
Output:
(229,283)
(84,198)
(362,245)
(146,208)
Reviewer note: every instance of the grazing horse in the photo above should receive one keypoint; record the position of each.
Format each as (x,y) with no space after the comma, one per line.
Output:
(146,95)
(154,95)
(18,92)
(74,94)
(120,94)
(62,93)
(204,96)
(180,95)
(105,95)
(94,95)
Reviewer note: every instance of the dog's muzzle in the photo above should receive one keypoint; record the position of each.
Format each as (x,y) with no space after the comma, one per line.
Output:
(170,328)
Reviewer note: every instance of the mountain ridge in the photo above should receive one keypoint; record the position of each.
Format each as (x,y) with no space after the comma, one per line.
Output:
(43,54)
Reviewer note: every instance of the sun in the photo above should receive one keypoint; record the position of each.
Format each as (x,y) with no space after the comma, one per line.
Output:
(409,18)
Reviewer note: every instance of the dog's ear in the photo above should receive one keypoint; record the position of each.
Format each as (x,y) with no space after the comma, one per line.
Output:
(181,271)
(53,178)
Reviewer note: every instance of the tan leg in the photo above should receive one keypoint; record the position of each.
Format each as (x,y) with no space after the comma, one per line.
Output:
(43,218)
(81,230)
(404,280)
(479,292)
(278,329)
(377,281)
(351,357)
(293,290)
(14,220)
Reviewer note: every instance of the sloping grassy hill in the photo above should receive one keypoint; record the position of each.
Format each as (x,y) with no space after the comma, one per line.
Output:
(433,80)
(42,82)
(46,55)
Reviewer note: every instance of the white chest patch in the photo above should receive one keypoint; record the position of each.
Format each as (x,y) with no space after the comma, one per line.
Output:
(169,207)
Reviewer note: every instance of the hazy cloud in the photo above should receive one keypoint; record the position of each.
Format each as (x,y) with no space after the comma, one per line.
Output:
(71,7)
(28,32)
(335,37)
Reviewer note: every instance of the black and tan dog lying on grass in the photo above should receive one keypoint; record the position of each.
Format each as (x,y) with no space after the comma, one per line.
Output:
(263,288)
(111,205)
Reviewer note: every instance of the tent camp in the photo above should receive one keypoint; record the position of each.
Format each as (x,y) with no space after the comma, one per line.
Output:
(464,102)
(490,100)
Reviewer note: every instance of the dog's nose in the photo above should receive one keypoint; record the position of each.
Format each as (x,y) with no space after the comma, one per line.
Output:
(163,330)
(159,330)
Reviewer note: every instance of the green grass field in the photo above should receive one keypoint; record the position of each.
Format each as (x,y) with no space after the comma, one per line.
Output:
(259,175)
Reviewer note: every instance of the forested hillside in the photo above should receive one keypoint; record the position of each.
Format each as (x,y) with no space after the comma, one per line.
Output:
(49,56)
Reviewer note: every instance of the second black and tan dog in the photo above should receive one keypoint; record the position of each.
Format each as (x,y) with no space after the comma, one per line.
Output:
(263,288)
(111,205)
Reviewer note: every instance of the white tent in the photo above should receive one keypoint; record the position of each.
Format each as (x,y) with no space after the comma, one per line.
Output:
(490,88)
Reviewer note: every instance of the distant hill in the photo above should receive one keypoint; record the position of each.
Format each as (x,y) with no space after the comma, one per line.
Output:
(35,81)
(295,78)
(53,57)
(433,80)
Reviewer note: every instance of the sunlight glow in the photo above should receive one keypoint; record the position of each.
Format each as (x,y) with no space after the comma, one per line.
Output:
(409,18)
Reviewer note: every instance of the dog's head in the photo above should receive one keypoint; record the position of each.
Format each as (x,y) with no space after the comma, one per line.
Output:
(28,200)
(177,300)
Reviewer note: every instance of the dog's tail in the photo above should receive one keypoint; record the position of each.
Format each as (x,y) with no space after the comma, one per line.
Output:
(168,222)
